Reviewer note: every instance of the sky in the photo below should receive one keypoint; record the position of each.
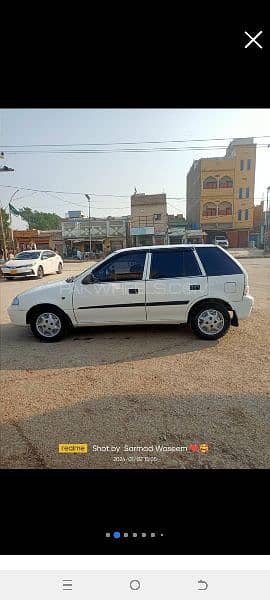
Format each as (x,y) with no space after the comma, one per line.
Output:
(118,173)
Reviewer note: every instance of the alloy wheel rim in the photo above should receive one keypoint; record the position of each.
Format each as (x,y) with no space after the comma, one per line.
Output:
(211,321)
(48,325)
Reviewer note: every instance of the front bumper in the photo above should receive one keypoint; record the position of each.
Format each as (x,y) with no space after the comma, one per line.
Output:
(17,316)
(20,273)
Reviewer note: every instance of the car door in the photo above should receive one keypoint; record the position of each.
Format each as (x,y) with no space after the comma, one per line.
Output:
(175,280)
(53,262)
(45,262)
(118,293)
(50,262)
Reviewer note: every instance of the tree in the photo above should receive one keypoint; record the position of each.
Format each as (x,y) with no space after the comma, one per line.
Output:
(6,227)
(40,220)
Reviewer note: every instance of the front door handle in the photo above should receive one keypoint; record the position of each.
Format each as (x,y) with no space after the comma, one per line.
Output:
(133,291)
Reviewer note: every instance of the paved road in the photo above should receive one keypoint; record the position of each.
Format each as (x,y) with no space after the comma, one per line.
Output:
(138,386)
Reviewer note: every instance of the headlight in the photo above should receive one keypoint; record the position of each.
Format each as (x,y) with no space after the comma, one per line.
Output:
(15,301)
(29,265)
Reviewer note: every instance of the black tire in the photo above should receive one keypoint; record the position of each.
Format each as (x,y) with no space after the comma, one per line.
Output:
(40,273)
(60,269)
(54,312)
(199,319)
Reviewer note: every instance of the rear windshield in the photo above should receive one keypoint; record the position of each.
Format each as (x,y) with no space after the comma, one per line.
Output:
(216,262)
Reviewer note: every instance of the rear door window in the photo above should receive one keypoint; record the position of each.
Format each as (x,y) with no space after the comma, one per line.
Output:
(167,264)
(216,262)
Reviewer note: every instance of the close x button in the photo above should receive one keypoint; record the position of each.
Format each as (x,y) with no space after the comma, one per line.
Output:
(253,39)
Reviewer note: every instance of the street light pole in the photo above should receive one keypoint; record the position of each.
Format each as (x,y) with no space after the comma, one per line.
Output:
(89,217)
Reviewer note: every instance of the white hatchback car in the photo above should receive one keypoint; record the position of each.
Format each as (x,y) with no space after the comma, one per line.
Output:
(33,263)
(202,285)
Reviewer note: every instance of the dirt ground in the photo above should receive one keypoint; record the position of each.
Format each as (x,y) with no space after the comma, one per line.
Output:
(138,386)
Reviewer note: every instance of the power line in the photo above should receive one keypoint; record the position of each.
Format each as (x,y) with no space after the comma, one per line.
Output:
(84,153)
(129,143)
(178,198)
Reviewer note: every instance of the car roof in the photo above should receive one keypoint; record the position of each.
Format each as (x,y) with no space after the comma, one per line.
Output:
(37,250)
(165,246)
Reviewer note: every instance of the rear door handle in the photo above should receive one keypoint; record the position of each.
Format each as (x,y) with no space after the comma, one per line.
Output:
(133,291)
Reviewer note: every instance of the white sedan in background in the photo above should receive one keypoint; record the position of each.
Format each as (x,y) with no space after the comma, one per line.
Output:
(33,263)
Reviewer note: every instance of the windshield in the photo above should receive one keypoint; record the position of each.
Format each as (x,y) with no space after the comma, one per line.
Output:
(27,255)
(88,269)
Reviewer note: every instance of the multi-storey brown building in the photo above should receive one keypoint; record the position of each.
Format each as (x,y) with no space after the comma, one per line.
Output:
(149,220)
(220,193)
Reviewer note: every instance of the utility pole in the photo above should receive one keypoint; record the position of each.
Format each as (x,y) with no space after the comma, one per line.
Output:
(4,169)
(267,224)
(89,217)
(10,218)
(3,234)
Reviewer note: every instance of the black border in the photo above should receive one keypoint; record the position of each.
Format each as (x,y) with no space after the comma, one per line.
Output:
(135,60)
(185,57)
(199,512)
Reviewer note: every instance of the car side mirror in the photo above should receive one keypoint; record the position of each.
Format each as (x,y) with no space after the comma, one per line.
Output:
(90,278)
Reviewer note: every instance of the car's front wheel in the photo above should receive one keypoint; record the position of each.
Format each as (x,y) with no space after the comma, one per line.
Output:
(60,268)
(210,321)
(40,273)
(49,325)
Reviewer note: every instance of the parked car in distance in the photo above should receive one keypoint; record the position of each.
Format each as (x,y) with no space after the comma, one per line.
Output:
(33,263)
(202,285)
(221,240)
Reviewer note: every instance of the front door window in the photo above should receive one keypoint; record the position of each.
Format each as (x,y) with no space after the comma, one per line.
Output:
(126,266)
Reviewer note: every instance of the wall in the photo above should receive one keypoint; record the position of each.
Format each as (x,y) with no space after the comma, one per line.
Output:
(258,217)
(217,168)
(194,194)
(100,228)
(143,209)
(244,179)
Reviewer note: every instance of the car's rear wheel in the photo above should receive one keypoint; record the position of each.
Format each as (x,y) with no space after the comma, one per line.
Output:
(40,273)
(60,268)
(210,321)
(49,325)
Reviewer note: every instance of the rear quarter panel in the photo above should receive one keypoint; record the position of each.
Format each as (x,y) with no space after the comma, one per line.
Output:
(227,287)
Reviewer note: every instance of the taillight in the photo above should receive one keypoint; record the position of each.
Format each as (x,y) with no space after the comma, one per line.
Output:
(246,286)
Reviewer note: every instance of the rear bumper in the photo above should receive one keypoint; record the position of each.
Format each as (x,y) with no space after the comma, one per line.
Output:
(244,307)
(18,317)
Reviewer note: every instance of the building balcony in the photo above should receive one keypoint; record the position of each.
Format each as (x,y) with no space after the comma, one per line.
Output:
(217,219)
(217,192)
